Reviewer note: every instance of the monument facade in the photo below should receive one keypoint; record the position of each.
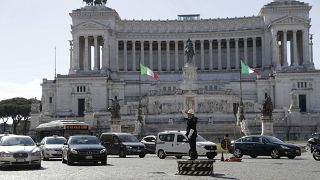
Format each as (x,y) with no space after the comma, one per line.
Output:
(105,52)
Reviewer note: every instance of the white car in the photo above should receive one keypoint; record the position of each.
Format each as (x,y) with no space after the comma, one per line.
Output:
(51,147)
(19,150)
(175,143)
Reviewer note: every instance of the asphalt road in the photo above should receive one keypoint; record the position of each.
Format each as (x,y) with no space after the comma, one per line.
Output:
(151,167)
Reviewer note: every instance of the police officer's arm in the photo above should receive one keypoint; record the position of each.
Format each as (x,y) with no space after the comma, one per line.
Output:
(184,112)
(190,133)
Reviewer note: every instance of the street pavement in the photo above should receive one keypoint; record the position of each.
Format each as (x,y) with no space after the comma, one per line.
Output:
(151,167)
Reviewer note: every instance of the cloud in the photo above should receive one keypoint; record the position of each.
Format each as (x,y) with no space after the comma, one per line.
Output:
(27,90)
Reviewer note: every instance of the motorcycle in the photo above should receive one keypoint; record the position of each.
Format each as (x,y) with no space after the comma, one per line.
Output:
(315,148)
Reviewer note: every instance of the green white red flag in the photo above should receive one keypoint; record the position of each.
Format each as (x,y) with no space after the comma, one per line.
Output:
(144,70)
(245,69)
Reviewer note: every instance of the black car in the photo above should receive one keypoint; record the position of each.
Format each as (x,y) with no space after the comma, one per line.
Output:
(83,148)
(150,144)
(122,144)
(258,145)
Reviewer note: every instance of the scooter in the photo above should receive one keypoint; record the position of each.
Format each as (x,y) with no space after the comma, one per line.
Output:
(315,148)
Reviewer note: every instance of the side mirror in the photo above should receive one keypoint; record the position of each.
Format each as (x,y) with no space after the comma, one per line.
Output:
(65,144)
(38,144)
(185,140)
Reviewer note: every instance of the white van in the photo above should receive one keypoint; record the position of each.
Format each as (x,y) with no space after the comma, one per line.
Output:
(175,143)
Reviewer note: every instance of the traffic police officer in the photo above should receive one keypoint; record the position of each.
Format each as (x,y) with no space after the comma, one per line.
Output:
(192,133)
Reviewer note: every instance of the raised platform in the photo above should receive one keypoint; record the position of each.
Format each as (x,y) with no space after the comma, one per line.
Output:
(195,167)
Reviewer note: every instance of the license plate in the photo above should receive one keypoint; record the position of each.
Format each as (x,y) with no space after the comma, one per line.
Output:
(20,160)
(89,157)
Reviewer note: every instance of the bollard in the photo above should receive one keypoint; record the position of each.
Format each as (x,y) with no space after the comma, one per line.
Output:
(195,167)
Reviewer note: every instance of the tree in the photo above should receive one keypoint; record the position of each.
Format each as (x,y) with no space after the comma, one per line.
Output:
(4,116)
(18,109)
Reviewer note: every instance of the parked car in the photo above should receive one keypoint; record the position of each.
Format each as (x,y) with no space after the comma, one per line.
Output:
(51,147)
(175,143)
(122,144)
(150,144)
(83,148)
(19,150)
(259,145)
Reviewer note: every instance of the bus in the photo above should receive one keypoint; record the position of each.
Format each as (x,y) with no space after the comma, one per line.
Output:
(65,128)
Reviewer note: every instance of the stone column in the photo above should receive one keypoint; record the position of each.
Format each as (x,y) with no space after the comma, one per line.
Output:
(295,49)
(76,57)
(245,53)
(134,67)
(228,54)
(96,66)
(150,55)
(284,48)
(306,55)
(117,55)
(219,54)
(86,54)
(159,56)
(210,55)
(194,57)
(176,62)
(184,56)
(237,53)
(275,48)
(202,54)
(71,57)
(125,55)
(105,53)
(254,53)
(168,55)
(263,63)
(141,53)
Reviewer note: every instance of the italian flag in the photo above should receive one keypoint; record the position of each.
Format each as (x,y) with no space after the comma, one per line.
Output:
(146,71)
(245,69)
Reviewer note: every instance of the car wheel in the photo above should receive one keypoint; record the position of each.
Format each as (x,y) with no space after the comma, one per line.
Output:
(291,156)
(210,156)
(104,162)
(122,154)
(178,157)
(69,162)
(195,156)
(161,154)
(316,155)
(275,154)
(142,155)
(63,160)
(38,166)
(44,157)
(237,153)
(253,156)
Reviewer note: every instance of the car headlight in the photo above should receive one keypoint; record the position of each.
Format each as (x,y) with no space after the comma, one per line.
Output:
(5,154)
(284,147)
(73,151)
(128,147)
(47,149)
(36,153)
(201,145)
(102,151)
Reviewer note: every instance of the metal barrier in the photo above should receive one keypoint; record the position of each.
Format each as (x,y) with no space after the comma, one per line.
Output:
(195,167)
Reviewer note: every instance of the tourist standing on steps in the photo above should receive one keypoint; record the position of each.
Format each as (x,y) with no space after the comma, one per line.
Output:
(192,133)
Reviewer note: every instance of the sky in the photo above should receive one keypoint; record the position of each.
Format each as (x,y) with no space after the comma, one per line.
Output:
(31,29)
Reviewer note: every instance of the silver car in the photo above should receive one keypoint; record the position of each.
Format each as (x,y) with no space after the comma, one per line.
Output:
(19,150)
(51,147)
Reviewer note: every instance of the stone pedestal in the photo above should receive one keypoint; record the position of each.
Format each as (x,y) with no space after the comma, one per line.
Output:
(189,78)
(115,125)
(267,125)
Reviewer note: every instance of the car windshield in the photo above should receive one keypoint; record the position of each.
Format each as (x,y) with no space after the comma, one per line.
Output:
(274,140)
(16,141)
(55,140)
(128,138)
(84,140)
(200,139)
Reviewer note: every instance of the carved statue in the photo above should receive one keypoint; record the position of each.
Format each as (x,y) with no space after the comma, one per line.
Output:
(189,51)
(267,107)
(95,2)
(115,107)
(88,2)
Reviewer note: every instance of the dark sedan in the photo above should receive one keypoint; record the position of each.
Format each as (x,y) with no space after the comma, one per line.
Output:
(150,144)
(258,145)
(83,148)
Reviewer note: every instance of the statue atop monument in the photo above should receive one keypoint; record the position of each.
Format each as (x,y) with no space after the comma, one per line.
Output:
(95,2)
(267,107)
(189,51)
(115,107)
